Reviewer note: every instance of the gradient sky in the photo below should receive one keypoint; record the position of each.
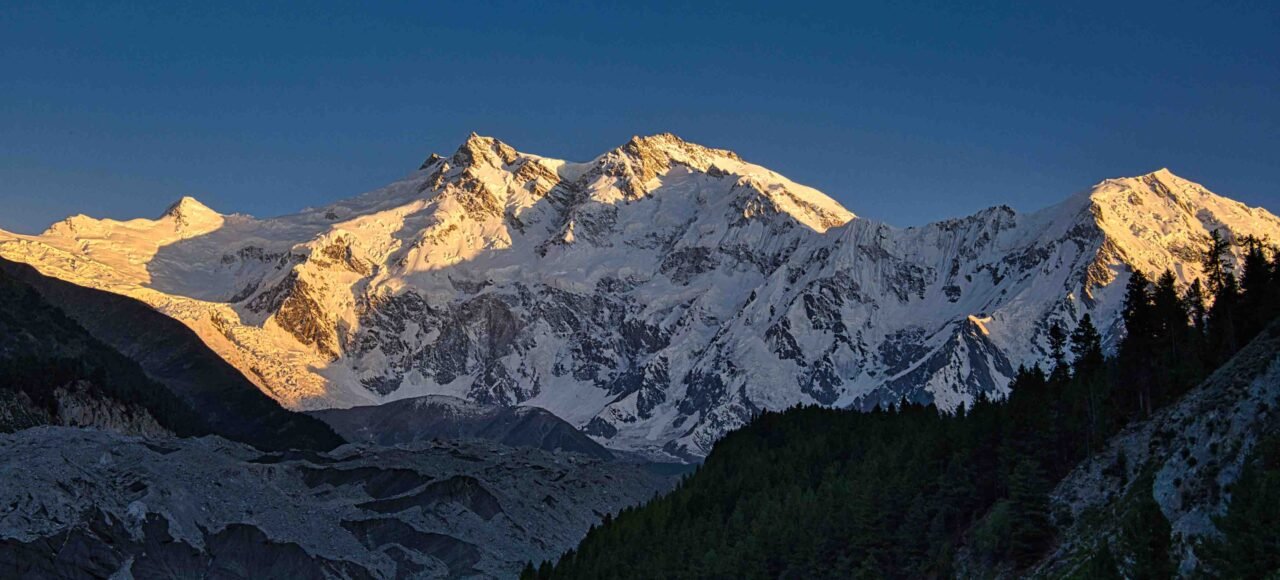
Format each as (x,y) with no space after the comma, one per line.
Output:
(904,111)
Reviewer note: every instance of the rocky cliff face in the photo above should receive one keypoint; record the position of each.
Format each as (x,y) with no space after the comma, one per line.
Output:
(655,296)
(85,503)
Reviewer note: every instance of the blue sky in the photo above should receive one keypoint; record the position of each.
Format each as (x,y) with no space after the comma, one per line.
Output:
(904,111)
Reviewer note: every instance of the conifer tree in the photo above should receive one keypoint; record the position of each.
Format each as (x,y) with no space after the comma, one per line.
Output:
(1257,303)
(1137,348)
(1222,327)
(1214,262)
(1194,301)
(1030,422)
(1137,308)
(1057,346)
(1052,406)
(1170,311)
(1170,328)
(1145,534)
(1275,275)
(1030,530)
(1086,347)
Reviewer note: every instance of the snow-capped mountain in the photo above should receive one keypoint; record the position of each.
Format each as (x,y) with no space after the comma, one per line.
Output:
(655,296)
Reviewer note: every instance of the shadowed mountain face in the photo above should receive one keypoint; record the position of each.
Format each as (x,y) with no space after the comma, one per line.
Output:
(161,354)
(442,417)
(655,297)
(53,372)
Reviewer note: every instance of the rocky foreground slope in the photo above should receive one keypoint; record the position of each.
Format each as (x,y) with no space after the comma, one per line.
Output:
(88,503)
(656,296)
(1187,458)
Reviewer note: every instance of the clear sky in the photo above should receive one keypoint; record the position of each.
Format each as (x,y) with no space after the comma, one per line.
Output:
(903,111)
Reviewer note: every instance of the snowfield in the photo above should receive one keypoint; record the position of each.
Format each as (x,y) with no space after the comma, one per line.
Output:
(655,296)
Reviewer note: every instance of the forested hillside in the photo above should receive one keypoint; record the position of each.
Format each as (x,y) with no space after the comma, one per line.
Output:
(899,492)
(53,372)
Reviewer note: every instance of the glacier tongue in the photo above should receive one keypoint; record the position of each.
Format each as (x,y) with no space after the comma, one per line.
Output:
(655,296)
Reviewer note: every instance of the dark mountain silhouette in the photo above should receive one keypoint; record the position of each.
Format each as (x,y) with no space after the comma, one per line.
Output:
(444,417)
(171,355)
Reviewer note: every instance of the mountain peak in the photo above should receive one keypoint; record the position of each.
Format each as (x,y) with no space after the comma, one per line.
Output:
(1164,177)
(672,146)
(478,149)
(1161,183)
(665,138)
(1154,219)
(192,217)
(188,207)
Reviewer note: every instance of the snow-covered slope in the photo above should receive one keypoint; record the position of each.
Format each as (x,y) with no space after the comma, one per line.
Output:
(655,296)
